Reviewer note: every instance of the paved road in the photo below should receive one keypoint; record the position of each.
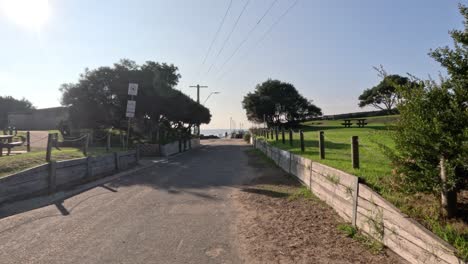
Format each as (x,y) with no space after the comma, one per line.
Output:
(178,212)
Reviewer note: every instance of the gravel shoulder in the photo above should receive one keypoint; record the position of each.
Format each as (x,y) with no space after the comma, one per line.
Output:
(279,221)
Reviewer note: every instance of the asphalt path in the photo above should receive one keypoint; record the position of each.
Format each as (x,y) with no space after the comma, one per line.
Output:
(177,212)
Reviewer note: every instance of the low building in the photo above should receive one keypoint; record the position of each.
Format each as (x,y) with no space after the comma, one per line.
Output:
(39,119)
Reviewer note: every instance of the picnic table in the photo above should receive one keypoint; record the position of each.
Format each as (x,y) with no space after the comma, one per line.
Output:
(347,123)
(361,122)
(6,142)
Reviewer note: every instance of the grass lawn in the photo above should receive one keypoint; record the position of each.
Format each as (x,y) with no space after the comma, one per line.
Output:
(374,165)
(375,170)
(16,163)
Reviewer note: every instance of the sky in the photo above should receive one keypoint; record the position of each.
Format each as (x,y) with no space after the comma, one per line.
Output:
(326,48)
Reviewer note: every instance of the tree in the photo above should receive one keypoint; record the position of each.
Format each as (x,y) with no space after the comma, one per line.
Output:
(99,98)
(432,132)
(384,95)
(10,104)
(278,102)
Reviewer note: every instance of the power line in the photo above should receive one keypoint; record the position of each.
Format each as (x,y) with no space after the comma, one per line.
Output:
(217,32)
(229,35)
(266,32)
(278,20)
(249,34)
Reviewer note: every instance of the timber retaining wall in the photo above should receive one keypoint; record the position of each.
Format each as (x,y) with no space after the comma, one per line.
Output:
(61,175)
(364,208)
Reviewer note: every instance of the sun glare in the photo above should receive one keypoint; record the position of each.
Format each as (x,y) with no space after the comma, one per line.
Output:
(30,14)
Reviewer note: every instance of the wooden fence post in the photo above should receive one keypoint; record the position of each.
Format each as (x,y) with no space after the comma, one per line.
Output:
(137,154)
(117,161)
(28,141)
(85,145)
(180,144)
(290,137)
(301,133)
(122,140)
(89,173)
(108,145)
(355,201)
(355,151)
(49,147)
(52,176)
(321,145)
(283,140)
(310,175)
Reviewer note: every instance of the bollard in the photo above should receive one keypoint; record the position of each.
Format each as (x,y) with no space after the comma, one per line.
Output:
(321,145)
(282,136)
(290,137)
(355,151)
(302,140)
(28,141)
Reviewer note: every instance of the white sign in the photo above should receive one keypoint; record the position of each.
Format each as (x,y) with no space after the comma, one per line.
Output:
(133,89)
(131,105)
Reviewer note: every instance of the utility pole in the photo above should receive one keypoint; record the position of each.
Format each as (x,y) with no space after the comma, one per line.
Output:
(198,90)
(198,100)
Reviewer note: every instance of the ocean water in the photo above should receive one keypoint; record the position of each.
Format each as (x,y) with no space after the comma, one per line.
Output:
(216,132)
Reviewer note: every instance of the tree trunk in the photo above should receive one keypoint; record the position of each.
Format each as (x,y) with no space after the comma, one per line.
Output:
(448,197)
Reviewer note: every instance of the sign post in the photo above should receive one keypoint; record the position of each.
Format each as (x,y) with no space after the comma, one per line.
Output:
(131,106)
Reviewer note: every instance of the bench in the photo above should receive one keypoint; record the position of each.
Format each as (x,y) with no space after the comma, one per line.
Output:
(10,145)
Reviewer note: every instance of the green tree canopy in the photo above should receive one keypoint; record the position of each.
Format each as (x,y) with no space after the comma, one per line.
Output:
(99,98)
(384,95)
(278,102)
(10,104)
(432,135)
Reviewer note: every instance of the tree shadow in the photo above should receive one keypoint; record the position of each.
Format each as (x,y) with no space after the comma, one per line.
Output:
(325,128)
(270,193)
(201,168)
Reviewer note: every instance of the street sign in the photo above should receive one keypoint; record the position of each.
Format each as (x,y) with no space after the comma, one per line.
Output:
(131,105)
(133,89)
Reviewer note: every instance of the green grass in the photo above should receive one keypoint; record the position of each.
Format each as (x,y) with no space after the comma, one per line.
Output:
(302,193)
(374,165)
(13,164)
(374,246)
(376,171)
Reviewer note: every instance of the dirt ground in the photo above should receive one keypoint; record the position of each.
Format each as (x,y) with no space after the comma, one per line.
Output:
(280,222)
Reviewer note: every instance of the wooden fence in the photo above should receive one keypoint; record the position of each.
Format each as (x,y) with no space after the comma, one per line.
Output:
(364,208)
(60,175)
